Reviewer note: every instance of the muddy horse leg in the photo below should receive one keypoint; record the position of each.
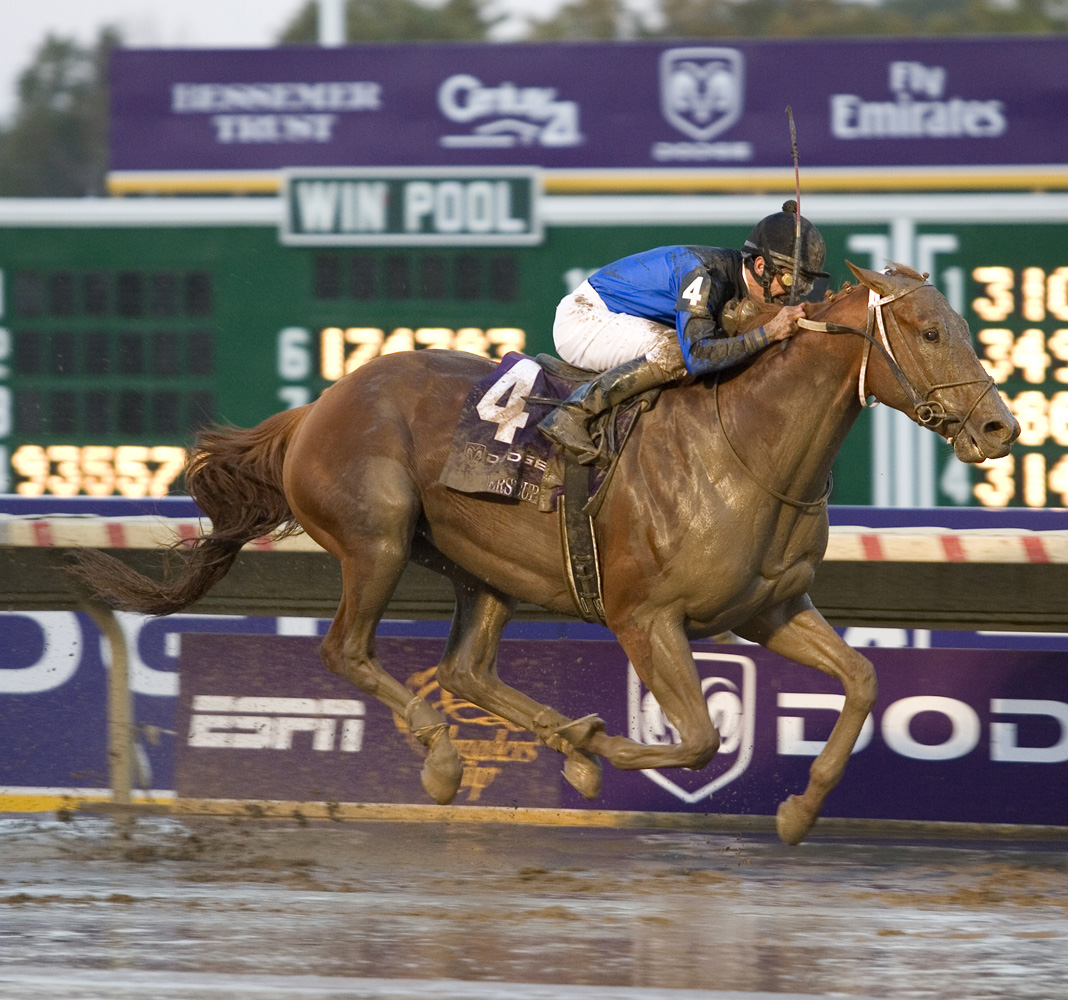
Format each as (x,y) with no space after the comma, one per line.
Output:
(661,655)
(348,650)
(469,671)
(798,631)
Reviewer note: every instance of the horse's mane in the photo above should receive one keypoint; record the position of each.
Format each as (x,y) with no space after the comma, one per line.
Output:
(847,287)
(815,310)
(892,269)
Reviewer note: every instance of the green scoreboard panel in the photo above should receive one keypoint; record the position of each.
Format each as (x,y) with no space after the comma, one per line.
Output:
(118,343)
(1010,282)
(119,339)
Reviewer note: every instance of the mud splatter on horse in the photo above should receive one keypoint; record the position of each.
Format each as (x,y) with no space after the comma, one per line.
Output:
(715,520)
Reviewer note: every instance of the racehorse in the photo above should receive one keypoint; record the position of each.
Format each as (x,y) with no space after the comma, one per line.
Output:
(715,520)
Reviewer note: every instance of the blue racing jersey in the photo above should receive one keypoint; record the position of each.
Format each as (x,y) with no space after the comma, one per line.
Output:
(685,287)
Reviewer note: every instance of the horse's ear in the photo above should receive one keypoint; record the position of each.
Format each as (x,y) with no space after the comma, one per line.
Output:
(878,282)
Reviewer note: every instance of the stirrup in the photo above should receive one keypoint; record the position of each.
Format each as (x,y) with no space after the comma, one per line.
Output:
(568,430)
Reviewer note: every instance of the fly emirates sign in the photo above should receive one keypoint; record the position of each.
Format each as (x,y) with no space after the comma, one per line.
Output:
(920,107)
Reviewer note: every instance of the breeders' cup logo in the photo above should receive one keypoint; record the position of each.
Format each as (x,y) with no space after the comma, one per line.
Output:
(729,686)
(484,741)
(504,116)
(701,90)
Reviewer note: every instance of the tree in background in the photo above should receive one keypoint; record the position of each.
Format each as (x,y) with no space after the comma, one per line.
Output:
(781,18)
(591,19)
(803,18)
(399,21)
(57,144)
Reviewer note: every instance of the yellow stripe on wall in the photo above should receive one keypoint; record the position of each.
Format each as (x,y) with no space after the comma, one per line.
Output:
(1038,178)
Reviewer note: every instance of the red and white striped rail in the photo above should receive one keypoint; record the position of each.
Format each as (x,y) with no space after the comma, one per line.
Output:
(977,545)
(847,544)
(69,530)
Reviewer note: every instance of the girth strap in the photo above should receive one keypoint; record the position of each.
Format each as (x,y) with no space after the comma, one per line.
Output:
(580,545)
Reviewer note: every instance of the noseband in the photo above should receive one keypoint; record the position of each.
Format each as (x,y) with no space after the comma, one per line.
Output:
(930,412)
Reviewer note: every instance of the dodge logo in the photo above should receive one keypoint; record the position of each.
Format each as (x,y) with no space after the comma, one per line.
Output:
(701,89)
(728,682)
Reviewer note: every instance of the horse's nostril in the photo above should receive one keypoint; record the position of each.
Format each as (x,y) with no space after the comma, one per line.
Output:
(1000,431)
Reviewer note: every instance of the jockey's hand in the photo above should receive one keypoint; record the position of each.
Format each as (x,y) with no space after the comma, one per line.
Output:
(784,323)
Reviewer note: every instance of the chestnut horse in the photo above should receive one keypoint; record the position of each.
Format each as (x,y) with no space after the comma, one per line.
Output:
(715,520)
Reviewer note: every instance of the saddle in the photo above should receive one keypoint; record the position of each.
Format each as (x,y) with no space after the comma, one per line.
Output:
(498,450)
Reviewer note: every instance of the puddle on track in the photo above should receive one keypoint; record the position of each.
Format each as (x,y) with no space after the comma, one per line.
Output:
(633,910)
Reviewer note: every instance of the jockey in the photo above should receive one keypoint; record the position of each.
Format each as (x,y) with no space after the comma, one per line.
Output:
(659,315)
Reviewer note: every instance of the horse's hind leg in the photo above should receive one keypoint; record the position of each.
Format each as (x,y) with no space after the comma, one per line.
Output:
(799,631)
(348,650)
(469,670)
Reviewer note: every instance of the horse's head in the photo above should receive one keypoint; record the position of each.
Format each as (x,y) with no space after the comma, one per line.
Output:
(928,368)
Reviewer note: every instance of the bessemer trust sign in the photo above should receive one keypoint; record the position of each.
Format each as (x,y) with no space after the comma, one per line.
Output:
(352,207)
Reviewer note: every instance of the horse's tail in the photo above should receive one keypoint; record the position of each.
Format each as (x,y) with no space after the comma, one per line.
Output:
(235,476)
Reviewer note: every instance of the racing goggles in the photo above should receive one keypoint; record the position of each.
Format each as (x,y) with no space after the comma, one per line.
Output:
(804,282)
(784,269)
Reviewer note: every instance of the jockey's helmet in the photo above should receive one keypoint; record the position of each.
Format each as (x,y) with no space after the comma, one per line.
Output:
(773,238)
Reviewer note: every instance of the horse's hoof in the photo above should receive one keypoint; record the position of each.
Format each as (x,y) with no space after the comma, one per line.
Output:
(579,731)
(583,772)
(442,771)
(793,820)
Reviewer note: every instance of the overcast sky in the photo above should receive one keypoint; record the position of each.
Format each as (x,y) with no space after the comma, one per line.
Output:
(165,24)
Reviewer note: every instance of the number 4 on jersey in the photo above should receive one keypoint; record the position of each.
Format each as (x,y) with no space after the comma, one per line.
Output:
(694,295)
(513,387)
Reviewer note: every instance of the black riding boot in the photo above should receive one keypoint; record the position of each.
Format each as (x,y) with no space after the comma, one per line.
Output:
(569,424)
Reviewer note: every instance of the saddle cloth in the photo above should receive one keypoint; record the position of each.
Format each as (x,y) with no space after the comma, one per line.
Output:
(497,448)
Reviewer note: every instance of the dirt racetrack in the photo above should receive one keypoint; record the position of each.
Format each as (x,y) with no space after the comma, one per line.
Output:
(212,908)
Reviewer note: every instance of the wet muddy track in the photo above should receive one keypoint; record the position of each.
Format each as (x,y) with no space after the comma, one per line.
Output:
(215,907)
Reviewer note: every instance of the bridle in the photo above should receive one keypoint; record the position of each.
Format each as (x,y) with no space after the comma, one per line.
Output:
(930,412)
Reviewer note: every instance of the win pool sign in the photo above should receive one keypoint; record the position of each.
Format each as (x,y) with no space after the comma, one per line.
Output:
(412,207)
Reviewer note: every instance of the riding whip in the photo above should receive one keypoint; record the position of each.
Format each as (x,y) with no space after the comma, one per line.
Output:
(797,203)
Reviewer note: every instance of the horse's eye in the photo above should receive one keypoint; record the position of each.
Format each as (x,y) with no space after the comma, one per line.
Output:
(931,336)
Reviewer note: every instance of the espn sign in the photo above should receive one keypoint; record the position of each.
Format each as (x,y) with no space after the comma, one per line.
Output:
(412,207)
(253,723)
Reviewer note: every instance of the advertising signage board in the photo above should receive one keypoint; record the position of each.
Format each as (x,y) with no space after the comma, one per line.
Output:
(54,697)
(416,206)
(870,112)
(957,735)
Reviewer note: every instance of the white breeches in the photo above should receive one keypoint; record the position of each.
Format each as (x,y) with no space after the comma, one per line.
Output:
(589,335)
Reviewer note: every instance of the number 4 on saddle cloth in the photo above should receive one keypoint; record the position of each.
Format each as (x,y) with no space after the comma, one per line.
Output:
(498,449)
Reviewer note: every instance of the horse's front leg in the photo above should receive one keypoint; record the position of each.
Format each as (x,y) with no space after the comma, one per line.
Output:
(798,631)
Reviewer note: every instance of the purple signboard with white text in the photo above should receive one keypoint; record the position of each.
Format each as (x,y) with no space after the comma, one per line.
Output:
(934,103)
(957,735)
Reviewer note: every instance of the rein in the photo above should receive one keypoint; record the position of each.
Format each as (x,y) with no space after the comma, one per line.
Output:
(790,501)
(930,413)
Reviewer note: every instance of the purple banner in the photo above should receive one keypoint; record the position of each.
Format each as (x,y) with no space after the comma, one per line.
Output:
(957,735)
(937,103)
